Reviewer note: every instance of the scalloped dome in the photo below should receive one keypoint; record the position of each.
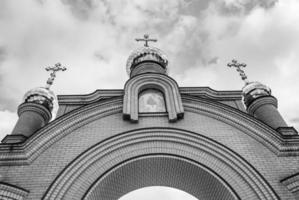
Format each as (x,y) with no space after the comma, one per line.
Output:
(43,96)
(146,54)
(254,90)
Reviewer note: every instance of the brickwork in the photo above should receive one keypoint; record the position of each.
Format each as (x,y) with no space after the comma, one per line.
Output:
(231,145)
(10,192)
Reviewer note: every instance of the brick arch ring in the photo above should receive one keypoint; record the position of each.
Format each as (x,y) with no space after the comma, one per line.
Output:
(159,156)
(162,82)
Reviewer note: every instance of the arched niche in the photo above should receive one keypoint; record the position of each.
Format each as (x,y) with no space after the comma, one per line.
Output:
(151,101)
(161,82)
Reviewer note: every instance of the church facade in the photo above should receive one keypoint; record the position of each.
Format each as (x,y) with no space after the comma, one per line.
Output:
(212,144)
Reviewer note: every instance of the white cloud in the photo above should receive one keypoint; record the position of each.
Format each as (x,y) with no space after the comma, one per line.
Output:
(8,120)
(94,38)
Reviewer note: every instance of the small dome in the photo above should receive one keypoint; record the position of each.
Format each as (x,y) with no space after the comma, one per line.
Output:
(255,85)
(146,54)
(254,90)
(43,96)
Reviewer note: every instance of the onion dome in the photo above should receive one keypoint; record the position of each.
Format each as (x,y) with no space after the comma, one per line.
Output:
(146,53)
(254,90)
(43,96)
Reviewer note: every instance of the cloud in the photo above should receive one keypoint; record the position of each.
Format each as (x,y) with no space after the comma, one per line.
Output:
(94,38)
(8,120)
(239,7)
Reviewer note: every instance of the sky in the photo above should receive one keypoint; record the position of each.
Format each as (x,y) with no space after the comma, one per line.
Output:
(93,39)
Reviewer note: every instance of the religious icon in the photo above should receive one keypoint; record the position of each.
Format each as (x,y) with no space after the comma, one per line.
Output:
(151,100)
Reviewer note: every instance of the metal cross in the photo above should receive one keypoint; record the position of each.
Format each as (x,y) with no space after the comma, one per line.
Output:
(57,67)
(238,66)
(146,39)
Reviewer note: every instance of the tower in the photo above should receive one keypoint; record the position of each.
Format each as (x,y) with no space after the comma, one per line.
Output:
(153,132)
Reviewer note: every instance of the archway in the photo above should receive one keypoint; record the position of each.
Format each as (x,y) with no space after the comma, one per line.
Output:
(161,170)
(159,156)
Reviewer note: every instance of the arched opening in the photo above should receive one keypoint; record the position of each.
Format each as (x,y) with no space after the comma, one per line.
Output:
(166,171)
(157,193)
(151,100)
(167,157)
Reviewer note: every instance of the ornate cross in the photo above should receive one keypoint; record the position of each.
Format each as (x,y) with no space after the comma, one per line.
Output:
(238,66)
(57,67)
(146,39)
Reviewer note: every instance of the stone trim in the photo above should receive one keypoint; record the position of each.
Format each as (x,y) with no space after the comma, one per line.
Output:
(292,183)
(16,138)
(77,177)
(161,82)
(287,131)
(11,192)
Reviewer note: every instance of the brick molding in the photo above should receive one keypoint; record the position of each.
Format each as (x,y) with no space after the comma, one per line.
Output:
(11,192)
(87,169)
(292,183)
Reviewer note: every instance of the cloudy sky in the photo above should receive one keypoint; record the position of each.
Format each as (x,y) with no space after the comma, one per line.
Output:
(93,38)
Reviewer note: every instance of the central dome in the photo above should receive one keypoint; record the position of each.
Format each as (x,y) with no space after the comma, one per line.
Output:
(146,54)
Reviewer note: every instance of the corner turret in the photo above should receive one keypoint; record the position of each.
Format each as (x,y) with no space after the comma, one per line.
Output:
(39,106)
(260,103)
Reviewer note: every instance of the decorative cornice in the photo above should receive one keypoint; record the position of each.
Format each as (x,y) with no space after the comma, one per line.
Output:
(207,92)
(8,191)
(89,98)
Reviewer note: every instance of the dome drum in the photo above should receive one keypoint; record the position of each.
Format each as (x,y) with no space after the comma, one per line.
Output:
(146,54)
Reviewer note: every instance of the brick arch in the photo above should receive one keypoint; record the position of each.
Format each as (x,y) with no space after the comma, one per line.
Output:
(160,170)
(162,82)
(235,177)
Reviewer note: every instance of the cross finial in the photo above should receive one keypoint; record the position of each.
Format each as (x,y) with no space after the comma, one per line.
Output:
(146,39)
(238,66)
(54,69)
